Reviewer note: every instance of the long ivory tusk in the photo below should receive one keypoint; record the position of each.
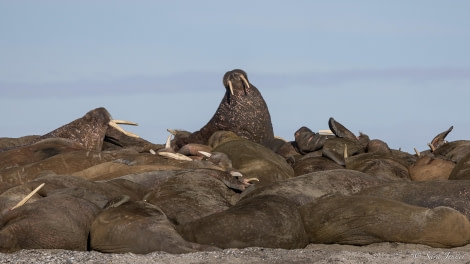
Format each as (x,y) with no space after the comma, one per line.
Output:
(231,87)
(251,179)
(113,123)
(417,152)
(245,80)
(27,197)
(176,156)
(236,174)
(326,132)
(432,147)
(124,122)
(345,152)
(206,154)
(168,142)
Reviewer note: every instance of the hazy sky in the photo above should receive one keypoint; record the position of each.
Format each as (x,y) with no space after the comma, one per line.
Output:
(395,70)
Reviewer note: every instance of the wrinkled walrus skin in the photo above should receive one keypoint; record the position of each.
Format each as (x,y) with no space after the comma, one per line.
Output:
(429,194)
(363,220)
(244,112)
(253,160)
(140,228)
(263,221)
(57,221)
(109,192)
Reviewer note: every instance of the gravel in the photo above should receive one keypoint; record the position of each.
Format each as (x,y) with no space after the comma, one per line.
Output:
(314,253)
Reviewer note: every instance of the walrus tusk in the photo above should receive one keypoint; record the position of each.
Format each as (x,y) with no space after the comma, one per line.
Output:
(175,156)
(245,81)
(432,147)
(172,131)
(345,152)
(326,132)
(251,179)
(114,123)
(168,141)
(205,154)
(417,152)
(124,122)
(231,87)
(236,174)
(27,197)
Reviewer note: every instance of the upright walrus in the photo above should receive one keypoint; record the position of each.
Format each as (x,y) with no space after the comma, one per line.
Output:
(242,111)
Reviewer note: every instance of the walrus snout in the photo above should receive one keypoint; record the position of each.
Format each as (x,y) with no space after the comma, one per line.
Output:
(236,78)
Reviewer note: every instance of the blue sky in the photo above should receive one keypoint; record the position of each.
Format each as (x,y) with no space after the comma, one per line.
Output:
(396,70)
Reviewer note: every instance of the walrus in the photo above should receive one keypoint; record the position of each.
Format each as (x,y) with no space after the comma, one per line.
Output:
(429,194)
(35,152)
(309,187)
(96,130)
(383,164)
(73,186)
(263,221)
(55,222)
(429,168)
(313,164)
(192,194)
(138,227)
(454,150)
(363,220)
(253,160)
(88,131)
(10,143)
(461,171)
(242,110)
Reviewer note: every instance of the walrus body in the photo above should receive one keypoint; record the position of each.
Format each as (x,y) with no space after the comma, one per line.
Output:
(137,227)
(429,194)
(363,220)
(263,221)
(242,110)
(251,159)
(48,223)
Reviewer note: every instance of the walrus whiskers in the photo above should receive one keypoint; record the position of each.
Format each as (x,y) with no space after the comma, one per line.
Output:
(22,202)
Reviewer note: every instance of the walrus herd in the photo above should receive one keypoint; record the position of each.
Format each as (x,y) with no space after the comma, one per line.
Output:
(90,185)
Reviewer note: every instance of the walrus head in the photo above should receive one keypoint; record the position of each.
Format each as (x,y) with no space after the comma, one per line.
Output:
(235,81)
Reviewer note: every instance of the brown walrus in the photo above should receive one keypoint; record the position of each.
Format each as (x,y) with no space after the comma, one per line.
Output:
(242,110)
(138,227)
(58,221)
(251,159)
(363,220)
(263,221)
(96,130)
